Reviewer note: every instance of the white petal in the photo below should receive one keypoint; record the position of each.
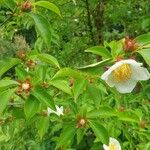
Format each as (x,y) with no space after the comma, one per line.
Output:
(110,81)
(126,87)
(114,141)
(50,111)
(106,74)
(105,147)
(59,110)
(140,73)
(132,62)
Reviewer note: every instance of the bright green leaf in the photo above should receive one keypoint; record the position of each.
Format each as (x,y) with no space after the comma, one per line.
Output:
(143,39)
(145,53)
(100,132)
(79,87)
(128,116)
(49,59)
(44,97)
(7,64)
(43,27)
(62,85)
(95,94)
(67,134)
(103,112)
(99,50)
(31,107)
(4,84)
(42,125)
(4,98)
(48,5)
(67,72)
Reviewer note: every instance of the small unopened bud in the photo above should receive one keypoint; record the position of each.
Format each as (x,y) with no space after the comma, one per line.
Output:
(121,108)
(21,54)
(91,80)
(81,123)
(26,6)
(31,64)
(130,45)
(45,85)
(71,82)
(119,58)
(143,124)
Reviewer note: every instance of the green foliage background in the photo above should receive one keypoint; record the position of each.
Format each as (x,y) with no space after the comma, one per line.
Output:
(66,34)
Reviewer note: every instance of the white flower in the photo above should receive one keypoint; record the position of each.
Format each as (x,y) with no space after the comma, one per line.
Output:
(113,145)
(59,111)
(125,74)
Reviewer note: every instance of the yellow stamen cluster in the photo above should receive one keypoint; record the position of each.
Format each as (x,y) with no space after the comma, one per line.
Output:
(122,73)
(112,146)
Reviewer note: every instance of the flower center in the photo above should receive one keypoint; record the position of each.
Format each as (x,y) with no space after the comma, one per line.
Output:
(25,86)
(122,73)
(112,146)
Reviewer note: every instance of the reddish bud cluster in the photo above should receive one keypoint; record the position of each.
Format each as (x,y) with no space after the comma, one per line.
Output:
(44,113)
(31,64)
(91,80)
(21,54)
(121,108)
(143,124)
(45,85)
(26,6)
(119,58)
(130,44)
(24,86)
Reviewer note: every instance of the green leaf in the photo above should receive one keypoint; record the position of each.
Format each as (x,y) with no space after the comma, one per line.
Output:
(116,48)
(31,107)
(67,72)
(42,125)
(147,146)
(62,85)
(49,5)
(98,64)
(143,39)
(67,134)
(95,68)
(43,27)
(99,50)
(128,116)
(21,73)
(95,94)
(4,98)
(80,135)
(145,53)
(7,64)
(49,59)
(100,132)
(103,112)
(10,3)
(79,87)
(44,97)
(5,84)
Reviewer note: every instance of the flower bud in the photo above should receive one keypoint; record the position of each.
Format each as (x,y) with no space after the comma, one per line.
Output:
(81,122)
(26,6)
(130,45)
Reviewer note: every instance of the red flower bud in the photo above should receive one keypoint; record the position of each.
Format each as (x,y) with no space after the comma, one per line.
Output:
(130,44)
(26,6)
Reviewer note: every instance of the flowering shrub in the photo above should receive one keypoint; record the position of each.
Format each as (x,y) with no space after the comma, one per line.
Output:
(104,105)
